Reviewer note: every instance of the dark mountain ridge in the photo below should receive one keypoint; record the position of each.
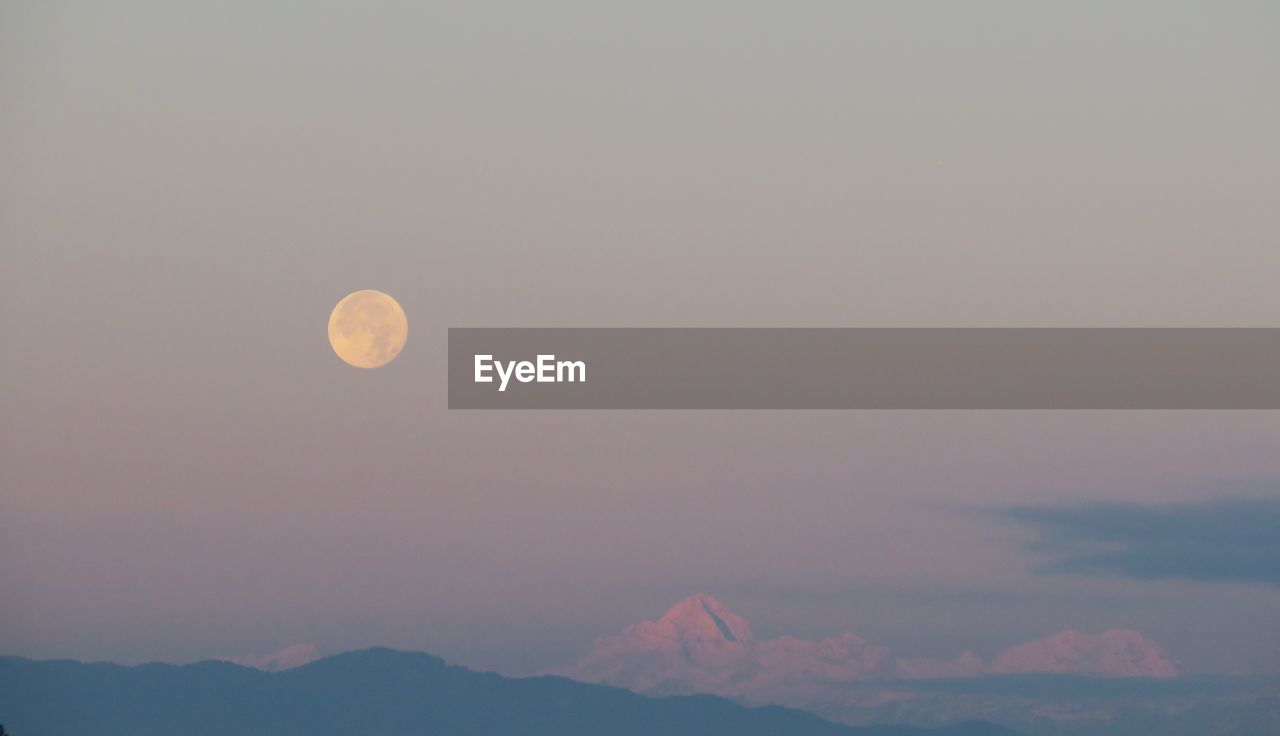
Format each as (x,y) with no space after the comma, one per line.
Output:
(373,692)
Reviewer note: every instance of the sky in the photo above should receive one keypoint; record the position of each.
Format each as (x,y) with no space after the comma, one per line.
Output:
(186,190)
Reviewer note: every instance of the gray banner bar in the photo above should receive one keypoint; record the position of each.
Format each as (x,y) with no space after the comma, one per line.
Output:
(857,368)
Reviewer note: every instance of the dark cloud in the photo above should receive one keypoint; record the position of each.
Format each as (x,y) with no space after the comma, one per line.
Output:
(1228,540)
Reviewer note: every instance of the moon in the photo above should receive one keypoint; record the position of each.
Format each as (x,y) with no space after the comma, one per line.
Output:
(368,329)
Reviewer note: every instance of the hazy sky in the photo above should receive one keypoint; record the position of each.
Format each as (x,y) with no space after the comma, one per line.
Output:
(186,190)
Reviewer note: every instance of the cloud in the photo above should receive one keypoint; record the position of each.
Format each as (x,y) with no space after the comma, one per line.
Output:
(1225,540)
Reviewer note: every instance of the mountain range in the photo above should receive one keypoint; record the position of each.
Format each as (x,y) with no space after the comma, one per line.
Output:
(376,692)
(1067,684)
(699,645)
(697,669)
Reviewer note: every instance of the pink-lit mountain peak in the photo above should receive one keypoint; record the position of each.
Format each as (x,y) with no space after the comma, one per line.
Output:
(703,618)
(285,659)
(1115,652)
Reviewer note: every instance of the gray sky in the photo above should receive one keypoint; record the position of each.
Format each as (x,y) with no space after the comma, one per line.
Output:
(186,189)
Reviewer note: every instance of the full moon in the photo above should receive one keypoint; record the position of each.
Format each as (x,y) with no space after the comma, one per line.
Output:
(368,329)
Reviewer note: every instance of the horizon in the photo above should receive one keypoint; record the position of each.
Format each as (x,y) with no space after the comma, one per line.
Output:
(299,654)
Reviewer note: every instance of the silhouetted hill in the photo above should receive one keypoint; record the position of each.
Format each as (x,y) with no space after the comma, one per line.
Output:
(375,692)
